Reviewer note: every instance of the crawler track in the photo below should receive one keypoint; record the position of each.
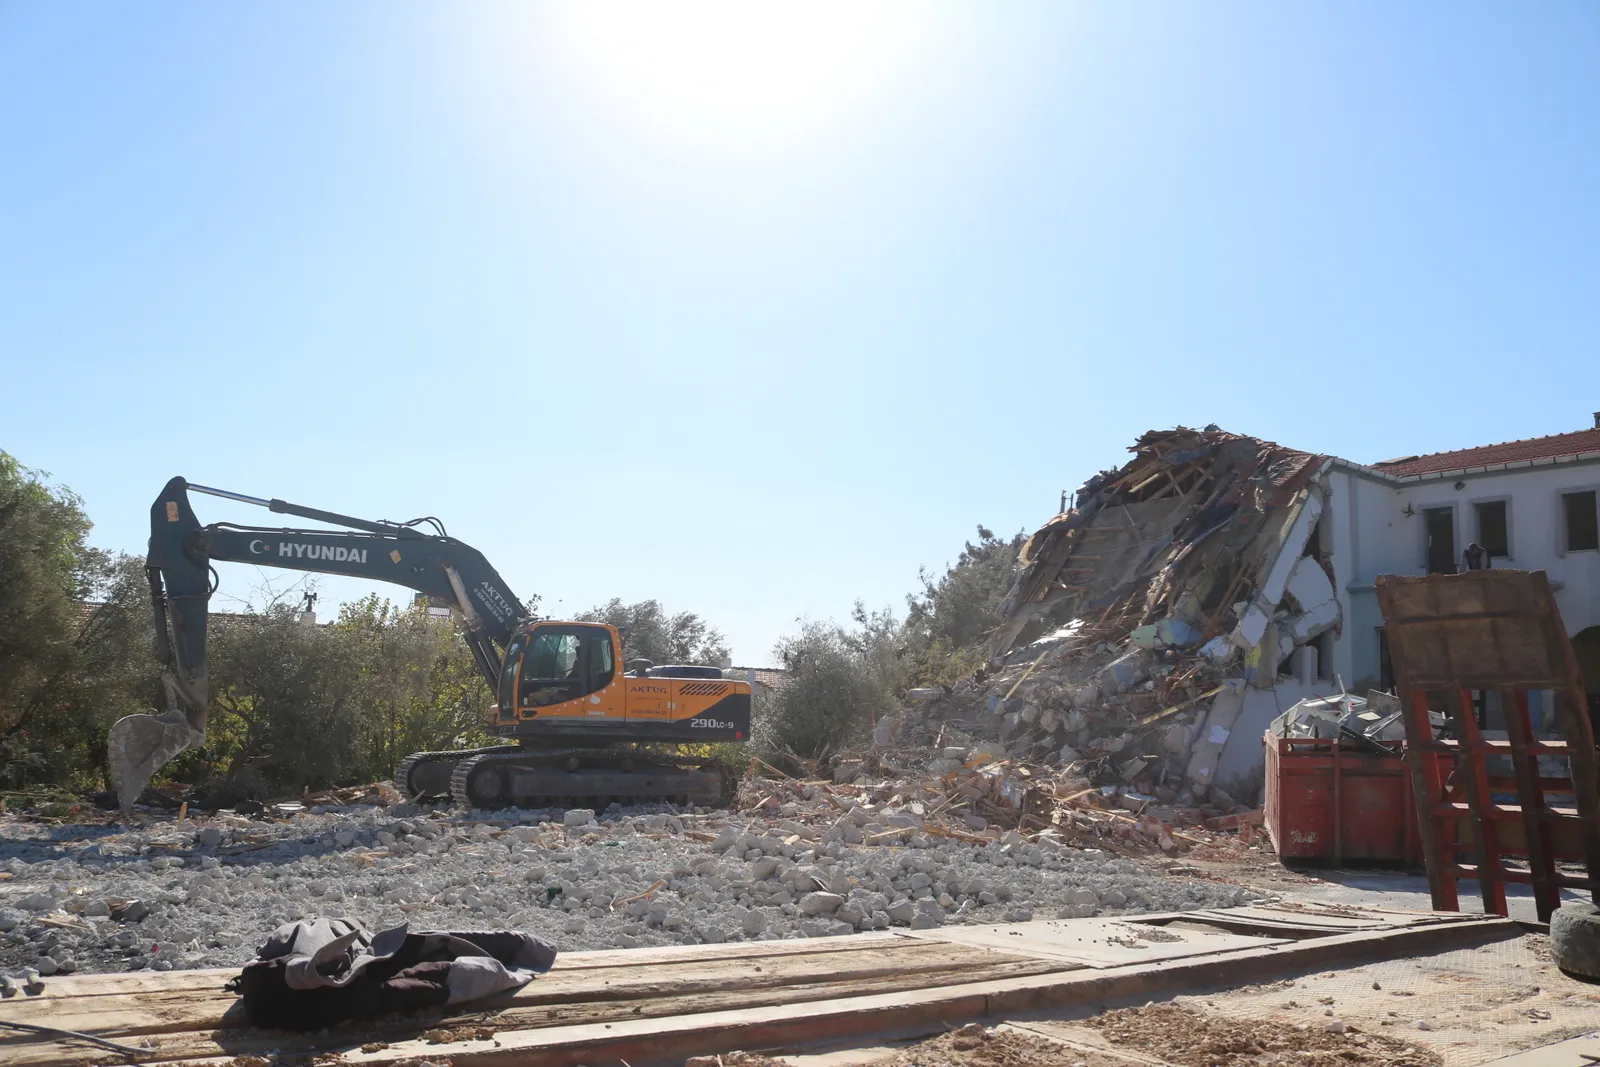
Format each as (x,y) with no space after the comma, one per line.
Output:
(592,778)
(419,774)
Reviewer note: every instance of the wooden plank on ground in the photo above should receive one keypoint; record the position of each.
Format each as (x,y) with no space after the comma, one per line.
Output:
(198,1044)
(915,1011)
(213,978)
(891,980)
(120,1017)
(1310,919)
(1099,942)
(566,994)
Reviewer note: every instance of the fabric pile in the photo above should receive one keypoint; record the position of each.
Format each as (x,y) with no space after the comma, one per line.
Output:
(318,972)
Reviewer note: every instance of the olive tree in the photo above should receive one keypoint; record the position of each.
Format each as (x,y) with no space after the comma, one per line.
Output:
(651,633)
(840,682)
(74,635)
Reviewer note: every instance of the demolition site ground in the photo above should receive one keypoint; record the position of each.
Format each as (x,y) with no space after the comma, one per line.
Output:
(104,896)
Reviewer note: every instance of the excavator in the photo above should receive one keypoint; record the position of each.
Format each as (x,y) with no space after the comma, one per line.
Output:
(573,716)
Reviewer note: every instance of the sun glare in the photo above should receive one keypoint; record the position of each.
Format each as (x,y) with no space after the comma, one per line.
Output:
(748,71)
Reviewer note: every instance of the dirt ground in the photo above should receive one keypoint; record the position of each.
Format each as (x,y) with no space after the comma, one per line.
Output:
(1477,1004)
(1191,1039)
(1159,1035)
(975,1046)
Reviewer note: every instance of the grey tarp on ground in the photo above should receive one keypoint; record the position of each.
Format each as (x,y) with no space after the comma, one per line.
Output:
(332,953)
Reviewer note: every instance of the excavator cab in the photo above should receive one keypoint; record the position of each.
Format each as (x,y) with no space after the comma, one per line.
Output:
(564,680)
(562,663)
(557,663)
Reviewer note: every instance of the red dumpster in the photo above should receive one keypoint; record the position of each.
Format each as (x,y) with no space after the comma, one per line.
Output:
(1330,805)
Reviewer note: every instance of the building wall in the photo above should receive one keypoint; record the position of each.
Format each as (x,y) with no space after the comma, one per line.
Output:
(1242,758)
(1372,534)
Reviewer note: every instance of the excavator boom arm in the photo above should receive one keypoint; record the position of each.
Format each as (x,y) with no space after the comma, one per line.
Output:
(182,550)
(181,584)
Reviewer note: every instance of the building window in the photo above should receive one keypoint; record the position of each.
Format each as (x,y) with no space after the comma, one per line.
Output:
(1583,523)
(1493,533)
(1323,643)
(1441,526)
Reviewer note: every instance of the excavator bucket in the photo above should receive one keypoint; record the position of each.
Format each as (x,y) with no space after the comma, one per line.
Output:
(140,745)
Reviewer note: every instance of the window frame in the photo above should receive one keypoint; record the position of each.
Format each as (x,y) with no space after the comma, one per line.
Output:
(1386,680)
(585,675)
(1562,546)
(1477,526)
(1452,506)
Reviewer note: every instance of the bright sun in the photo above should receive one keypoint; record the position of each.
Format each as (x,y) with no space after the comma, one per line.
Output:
(749,71)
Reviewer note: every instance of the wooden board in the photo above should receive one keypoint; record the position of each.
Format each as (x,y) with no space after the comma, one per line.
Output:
(652,1005)
(215,977)
(567,994)
(1101,942)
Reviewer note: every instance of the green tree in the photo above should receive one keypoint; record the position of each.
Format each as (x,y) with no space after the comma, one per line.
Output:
(297,706)
(416,683)
(283,715)
(42,581)
(652,634)
(73,635)
(840,682)
(953,614)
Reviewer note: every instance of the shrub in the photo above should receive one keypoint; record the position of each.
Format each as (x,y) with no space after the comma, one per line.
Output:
(839,684)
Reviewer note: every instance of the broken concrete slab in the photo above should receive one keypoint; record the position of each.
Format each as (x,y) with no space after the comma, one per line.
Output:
(1284,555)
(1312,593)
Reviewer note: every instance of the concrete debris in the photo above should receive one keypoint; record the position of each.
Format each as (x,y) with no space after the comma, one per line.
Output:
(799,859)
(982,800)
(1158,625)
(1371,723)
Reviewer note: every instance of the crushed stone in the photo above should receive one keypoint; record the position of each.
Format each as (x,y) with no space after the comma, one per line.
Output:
(205,892)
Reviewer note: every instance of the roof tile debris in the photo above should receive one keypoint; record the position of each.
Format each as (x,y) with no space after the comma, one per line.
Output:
(1534,448)
(1181,529)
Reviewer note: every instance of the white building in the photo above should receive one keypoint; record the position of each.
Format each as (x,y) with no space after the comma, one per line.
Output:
(1532,505)
(1529,505)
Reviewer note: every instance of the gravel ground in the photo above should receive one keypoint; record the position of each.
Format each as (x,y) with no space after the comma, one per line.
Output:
(203,893)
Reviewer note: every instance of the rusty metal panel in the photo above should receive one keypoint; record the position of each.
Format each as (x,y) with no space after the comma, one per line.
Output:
(1481,629)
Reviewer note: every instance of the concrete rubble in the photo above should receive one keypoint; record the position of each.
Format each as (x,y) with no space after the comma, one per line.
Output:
(971,794)
(804,859)
(1158,624)
(1369,724)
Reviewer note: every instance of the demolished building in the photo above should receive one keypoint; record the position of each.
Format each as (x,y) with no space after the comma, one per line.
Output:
(1186,599)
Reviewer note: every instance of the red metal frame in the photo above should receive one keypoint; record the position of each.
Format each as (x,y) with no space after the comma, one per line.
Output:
(1492,631)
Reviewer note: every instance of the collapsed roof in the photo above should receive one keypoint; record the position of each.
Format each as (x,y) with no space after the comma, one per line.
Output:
(1192,530)
(1172,590)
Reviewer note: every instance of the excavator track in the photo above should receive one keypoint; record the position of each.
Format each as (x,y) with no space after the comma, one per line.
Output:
(588,778)
(434,779)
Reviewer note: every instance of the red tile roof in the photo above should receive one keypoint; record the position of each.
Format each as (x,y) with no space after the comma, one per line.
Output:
(1561,444)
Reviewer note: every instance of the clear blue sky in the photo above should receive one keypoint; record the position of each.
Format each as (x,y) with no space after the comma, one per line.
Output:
(758,309)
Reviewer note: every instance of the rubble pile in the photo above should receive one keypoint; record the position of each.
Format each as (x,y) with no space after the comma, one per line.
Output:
(1364,724)
(985,800)
(805,860)
(1172,588)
